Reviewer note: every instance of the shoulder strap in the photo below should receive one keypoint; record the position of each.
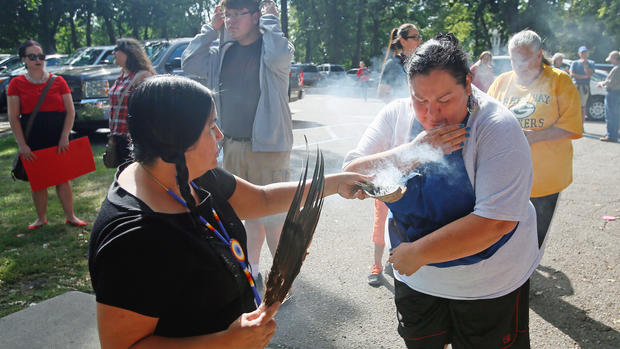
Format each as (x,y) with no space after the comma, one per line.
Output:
(34,113)
(126,91)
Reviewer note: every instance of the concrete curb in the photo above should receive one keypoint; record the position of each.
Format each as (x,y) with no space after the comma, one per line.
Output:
(65,321)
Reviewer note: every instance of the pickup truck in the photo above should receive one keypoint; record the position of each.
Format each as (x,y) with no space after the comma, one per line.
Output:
(90,84)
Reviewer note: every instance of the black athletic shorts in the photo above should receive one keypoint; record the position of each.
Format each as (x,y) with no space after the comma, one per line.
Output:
(430,322)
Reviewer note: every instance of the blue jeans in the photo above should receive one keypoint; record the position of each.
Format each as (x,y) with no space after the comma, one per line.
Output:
(612,114)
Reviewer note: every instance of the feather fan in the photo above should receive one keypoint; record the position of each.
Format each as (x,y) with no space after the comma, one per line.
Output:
(297,233)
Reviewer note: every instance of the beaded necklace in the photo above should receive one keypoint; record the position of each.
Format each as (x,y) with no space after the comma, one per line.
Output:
(38,82)
(233,244)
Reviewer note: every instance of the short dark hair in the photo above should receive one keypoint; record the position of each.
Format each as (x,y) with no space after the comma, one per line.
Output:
(441,52)
(24,45)
(251,5)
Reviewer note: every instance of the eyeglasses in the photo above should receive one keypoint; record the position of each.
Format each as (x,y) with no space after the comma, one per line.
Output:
(231,16)
(34,57)
(116,49)
(414,37)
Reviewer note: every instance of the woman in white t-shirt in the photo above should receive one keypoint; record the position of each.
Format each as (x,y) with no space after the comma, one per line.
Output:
(463,237)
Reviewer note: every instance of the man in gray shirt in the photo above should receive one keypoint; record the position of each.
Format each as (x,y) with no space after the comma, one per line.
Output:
(249,71)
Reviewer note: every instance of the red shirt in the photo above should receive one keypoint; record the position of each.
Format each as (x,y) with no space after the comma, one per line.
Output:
(29,93)
(363,74)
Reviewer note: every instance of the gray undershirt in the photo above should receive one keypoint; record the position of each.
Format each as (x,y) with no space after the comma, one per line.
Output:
(240,89)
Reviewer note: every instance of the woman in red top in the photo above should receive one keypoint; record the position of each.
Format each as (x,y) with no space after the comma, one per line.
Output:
(51,127)
(130,56)
(363,74)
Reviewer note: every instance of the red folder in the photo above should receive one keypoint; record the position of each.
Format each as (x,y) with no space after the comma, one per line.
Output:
(51,168)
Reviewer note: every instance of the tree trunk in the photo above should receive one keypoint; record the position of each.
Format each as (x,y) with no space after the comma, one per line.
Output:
(74,40)
(119,28)
(89,27)
(358,35)
(47,29)
(284,17)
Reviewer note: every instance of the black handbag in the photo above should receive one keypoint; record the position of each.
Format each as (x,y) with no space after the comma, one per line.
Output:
(110,157)
(18,171)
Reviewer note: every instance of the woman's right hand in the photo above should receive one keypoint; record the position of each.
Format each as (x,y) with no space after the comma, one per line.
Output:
(218,18)
(255,329)
(26,153)
(448,138)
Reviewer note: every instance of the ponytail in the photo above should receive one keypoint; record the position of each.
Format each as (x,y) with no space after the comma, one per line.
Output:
(393,37)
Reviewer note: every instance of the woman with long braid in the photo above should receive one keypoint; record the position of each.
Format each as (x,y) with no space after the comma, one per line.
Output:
(167,251)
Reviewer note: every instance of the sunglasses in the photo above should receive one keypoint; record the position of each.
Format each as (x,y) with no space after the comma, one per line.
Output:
(233,16)
(34,57)
(414,37)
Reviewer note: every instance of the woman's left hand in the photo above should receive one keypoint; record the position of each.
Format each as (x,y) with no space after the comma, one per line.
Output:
(404,259)
(63,144)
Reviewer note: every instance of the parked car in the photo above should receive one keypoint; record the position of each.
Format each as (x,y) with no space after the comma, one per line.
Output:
(595,109)
(9,62)
(5,78)
(296,83)
(311,73)
(90,84)
(331,72)
(604,66)
(91,55)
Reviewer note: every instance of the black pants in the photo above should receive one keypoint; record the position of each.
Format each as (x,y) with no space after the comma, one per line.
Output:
(429,322)
(545,207)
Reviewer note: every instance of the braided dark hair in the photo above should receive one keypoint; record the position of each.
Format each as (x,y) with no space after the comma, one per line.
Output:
(166,117)
(441,52)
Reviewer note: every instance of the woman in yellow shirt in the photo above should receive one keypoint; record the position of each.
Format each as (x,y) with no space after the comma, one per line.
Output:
(546,103)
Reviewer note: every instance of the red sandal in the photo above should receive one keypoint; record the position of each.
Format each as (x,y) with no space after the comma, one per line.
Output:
(75,224)
(36,226)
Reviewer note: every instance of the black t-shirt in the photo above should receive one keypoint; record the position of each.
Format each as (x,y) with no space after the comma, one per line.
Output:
(165,266)
(240,88)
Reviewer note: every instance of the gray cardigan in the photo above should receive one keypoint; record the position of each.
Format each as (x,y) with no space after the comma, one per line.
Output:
(273,128)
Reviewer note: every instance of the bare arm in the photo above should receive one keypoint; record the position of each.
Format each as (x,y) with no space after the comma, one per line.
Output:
(464,237)
(549,134)
(121,328)
(16,127)
(63,143)
(586,68)
(252,201)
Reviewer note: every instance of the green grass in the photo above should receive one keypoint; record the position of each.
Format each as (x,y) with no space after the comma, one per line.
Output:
(40,264)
